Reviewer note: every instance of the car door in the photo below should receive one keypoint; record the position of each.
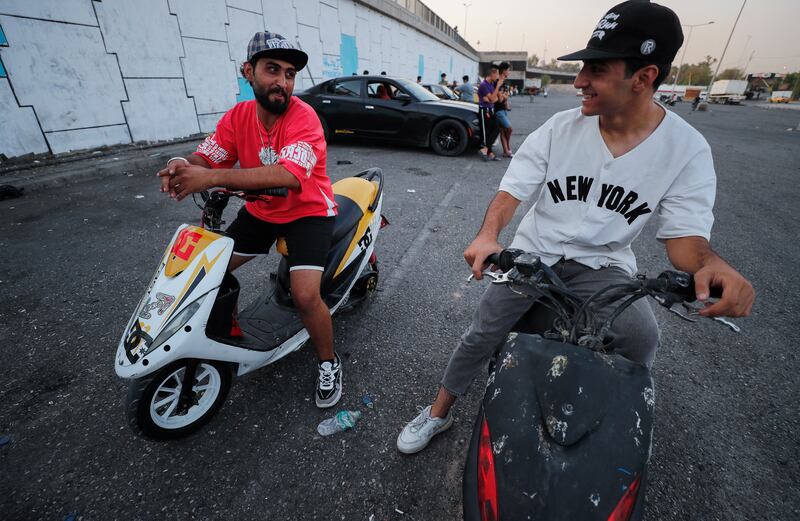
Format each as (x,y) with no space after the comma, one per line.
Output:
(386,108)
(342,104)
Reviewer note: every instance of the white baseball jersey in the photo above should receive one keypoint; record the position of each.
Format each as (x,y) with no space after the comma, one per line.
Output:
(590,206)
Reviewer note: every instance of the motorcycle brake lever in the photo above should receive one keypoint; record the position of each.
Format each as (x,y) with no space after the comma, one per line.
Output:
(694,309)
(684,317)
(497,278)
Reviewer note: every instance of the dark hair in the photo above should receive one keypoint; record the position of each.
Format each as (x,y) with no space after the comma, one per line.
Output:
(443,74)
(503,66)
(493,67)
(634,64)
(465,78)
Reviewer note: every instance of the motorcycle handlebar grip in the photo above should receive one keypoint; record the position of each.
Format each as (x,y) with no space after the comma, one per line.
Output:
(504,259)
(281,191)
(682,284)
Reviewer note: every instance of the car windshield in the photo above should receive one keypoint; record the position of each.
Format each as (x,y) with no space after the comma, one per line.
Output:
(418,91)
(450,93)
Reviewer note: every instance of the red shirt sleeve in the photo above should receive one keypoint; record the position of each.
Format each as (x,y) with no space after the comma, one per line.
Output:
(219,149)
(303,145)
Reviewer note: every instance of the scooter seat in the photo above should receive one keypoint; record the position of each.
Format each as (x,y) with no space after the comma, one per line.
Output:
(347,219)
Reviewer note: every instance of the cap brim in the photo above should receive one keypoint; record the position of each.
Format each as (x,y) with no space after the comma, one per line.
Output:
(593,54)
(294,56)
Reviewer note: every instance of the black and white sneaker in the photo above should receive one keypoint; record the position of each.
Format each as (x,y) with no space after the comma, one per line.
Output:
(329,383)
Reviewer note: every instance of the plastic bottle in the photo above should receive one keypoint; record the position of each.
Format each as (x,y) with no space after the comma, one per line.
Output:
(341,422)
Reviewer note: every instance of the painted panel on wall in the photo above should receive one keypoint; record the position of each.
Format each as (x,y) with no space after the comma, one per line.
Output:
(347,17)
(208,122)
(331,66)
(19,133)
(309,40)
(329,30)
(280,17)
(421,67)
(144,36)
(2,71)
(72,11)
(349,53)
(248,5)
(201,18)
(245,91)
(210,75)
(3,41)
(307,12)
(85,138)
(84,91)
(159,110)
(243,25)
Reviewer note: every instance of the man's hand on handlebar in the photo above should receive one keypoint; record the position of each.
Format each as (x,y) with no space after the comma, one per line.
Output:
(737,293)
(477,252)
(181,179)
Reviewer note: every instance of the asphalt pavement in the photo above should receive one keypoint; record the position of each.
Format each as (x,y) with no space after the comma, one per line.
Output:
(79,249)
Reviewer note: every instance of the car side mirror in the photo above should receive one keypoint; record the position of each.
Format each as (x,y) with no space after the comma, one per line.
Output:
(402,96)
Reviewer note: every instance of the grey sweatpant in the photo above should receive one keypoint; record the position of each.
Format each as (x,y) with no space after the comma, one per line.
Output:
(633,335)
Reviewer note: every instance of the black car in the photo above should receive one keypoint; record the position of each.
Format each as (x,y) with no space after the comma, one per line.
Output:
(396,110)
(441,91)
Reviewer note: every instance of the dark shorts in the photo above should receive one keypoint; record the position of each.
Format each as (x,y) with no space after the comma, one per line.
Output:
(308,239)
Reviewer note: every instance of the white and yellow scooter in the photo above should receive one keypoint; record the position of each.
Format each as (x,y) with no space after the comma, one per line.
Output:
(184,341)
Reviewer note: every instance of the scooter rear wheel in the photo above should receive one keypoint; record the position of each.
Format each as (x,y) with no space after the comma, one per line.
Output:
(153,403)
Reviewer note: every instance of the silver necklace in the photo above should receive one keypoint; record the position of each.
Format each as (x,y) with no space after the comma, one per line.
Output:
(267,155)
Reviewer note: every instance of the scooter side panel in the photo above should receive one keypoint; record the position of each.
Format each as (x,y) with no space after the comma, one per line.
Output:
(167,295)
(544,471)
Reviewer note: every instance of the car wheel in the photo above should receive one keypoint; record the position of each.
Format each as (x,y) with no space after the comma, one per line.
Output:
(449,138)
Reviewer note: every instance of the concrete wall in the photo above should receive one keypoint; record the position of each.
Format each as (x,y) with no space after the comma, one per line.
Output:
(78,74)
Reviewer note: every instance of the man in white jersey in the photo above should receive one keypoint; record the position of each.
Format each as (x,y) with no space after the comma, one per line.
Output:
(598,174)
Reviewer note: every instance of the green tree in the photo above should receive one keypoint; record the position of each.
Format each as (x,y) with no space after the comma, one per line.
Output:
(533,60)
(793,81)
(697,73)
(730,74)
(545,80)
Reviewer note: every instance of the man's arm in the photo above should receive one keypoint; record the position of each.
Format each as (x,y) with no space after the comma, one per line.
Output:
(694,254)
(182,180)
(497,217)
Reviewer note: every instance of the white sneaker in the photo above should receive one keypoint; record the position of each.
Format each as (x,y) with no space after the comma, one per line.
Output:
(418,432)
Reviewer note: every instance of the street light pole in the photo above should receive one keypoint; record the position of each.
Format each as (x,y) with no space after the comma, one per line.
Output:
(466,8)
(714,77)
(683,55)
(497,35)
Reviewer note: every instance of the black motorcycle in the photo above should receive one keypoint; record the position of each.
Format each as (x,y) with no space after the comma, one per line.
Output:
(565,428)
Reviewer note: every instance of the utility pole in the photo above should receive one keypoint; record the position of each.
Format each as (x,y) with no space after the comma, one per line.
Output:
(685,46)
(497,35)
(714,77)
(466,8)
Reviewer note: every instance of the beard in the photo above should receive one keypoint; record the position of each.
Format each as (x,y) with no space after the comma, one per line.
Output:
(275,107)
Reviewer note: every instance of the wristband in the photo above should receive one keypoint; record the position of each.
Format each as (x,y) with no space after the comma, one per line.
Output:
(170,160)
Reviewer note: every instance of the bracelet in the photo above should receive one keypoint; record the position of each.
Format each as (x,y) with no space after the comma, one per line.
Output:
(179,157)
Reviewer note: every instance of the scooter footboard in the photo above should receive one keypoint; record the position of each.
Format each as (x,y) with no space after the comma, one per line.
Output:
(570,430)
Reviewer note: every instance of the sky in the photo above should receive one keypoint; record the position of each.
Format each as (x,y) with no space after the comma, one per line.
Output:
(767,29)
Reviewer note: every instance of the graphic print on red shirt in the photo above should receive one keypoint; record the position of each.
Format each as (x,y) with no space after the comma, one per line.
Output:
(295,141)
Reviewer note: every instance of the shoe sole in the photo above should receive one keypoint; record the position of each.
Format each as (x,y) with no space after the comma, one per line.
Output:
(334,400)
(419,449)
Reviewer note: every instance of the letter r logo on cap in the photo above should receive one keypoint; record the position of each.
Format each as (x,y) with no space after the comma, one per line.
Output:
(648,46)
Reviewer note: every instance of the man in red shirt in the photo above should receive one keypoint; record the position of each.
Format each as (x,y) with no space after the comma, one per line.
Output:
(278,141)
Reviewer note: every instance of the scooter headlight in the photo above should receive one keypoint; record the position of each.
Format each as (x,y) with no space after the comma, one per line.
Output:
(176,323)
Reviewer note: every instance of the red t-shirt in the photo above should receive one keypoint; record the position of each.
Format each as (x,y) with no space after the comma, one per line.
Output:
(295,142)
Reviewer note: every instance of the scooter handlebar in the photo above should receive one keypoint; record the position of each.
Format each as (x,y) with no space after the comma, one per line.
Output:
(281,191)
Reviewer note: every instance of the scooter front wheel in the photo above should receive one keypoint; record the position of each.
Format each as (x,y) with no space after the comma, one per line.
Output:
(158,408)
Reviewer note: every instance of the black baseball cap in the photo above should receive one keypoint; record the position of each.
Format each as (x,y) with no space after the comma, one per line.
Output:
(265,43)
(634,29)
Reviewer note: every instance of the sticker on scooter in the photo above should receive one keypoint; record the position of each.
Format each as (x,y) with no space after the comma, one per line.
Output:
(365,240)
(134,339)
(161,304)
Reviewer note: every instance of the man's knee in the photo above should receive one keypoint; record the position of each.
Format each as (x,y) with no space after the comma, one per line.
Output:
(305,298)
(635,334)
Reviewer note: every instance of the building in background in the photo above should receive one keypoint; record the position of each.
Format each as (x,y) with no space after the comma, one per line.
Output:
(82,74)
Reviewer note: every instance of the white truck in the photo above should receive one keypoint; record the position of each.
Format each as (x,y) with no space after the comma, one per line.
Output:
(729,92)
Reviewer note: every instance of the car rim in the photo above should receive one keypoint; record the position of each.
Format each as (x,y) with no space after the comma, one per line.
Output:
(448,138)
(164,404)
